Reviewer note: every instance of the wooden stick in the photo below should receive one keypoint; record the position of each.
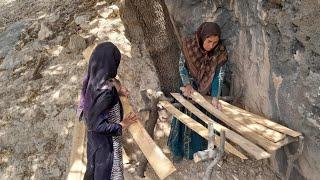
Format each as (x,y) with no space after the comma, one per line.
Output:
(197,127)
(162,166)
(248,133)
(209,153)
(208,173)
(245,144)
(151,99)
(204,155)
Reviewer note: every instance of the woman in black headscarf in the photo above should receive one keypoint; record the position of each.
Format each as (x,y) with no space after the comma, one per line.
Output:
(101,108)
(200,66)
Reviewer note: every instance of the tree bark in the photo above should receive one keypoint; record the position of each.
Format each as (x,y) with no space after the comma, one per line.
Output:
(157,32)
(150,24)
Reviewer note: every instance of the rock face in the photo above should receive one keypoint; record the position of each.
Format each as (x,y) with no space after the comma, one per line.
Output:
(274,59)
(40,83)
(10,37)
(77,43)
(44,32)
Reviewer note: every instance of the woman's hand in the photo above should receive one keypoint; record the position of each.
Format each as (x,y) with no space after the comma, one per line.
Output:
(215,102)
(121,90)
(187,90)
(127,121)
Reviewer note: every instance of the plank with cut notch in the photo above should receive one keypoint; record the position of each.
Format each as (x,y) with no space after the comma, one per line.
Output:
(240,128)
(198,128)
(245,144)
(158,161)
(261,120)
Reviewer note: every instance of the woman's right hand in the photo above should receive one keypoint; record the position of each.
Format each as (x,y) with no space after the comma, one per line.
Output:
(187,90)
(215,102)
(128,120)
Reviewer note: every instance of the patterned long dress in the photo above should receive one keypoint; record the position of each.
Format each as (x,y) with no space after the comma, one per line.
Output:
(104,162)
(117,167)
(182,141)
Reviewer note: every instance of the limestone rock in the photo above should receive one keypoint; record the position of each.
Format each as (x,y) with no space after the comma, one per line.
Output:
(44,32)
(18,58)
(109,12)
(83,21)
(77,43)
(10,37)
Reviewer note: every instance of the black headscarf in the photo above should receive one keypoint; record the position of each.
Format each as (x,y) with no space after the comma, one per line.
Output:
(99,94)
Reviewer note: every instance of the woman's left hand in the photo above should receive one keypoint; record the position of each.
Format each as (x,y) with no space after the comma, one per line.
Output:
(121,90)
(215,102)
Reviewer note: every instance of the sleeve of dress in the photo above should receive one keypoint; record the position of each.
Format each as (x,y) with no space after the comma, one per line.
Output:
(102,124)
(110,129)
(184,74)
(216,84)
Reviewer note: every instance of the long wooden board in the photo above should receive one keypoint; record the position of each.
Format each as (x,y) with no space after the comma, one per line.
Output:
(245,144)
(77,166)
(242,118)
(269,134)
(242,129)
(287,140)
(263,121)
(198,128)
(162,166)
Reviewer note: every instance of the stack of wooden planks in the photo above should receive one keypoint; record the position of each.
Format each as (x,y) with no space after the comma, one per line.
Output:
(257,136)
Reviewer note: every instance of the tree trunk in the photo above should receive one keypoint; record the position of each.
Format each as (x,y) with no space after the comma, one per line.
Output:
(150,24)
(157,32)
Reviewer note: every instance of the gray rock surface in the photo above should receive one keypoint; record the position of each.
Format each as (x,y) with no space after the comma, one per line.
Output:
(109,12)
(44,32)
(77,43)
(28,54)
(10,36)
(82,21)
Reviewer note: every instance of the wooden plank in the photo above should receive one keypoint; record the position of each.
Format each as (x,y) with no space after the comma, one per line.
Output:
(245,144)
(162,166)
(198,128)
(263,121)
(77,166)
(269,134)
(287,140)
(264,131)
(242,129)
